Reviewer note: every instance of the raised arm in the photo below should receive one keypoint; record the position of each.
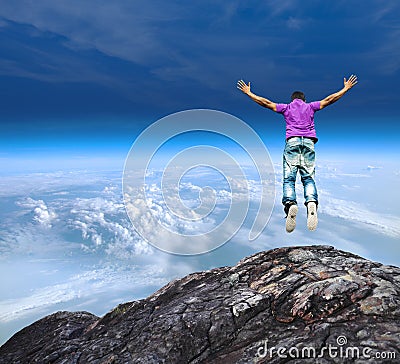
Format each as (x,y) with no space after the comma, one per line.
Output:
(348,84)
(241,85)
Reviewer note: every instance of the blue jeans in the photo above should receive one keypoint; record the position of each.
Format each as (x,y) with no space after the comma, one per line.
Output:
(299,155)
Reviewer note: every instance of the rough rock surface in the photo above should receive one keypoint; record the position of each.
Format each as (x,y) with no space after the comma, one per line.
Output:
(307,300)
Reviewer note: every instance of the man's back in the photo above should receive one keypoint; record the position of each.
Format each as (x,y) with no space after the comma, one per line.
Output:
(299,117)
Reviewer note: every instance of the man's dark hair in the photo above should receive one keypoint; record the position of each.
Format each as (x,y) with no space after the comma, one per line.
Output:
(298,95)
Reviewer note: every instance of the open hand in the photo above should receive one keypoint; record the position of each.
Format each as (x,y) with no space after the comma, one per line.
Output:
(241,85)
(348,84)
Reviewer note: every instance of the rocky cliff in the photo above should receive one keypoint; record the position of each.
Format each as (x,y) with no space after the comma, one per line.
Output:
(310,304)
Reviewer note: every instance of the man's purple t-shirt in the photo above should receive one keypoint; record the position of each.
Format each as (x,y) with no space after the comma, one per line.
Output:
(299,118)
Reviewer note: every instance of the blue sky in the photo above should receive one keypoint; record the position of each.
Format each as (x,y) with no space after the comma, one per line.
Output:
(96,73)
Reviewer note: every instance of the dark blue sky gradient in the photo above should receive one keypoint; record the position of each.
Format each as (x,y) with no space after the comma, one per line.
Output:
(102,71)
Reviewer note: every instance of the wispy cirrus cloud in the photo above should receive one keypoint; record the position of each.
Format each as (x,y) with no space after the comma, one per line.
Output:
(195,51)
(82,286)
(385,224)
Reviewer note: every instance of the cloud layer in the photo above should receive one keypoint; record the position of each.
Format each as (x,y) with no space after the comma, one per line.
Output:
(75,227)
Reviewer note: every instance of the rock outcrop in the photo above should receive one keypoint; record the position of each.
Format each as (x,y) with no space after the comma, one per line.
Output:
(311,304)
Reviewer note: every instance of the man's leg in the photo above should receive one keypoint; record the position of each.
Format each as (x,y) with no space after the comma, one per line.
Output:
(310,189)
(290,158)
(307,173)
(289,185)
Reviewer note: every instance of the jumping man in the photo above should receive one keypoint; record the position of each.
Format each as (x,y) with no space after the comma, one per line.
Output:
(299,153)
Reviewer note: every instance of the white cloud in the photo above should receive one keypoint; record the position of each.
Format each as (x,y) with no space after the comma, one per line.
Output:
(370,168)
(42,214)
(81,286)
(32,184)
(101,219)
(215,216)
(356,212)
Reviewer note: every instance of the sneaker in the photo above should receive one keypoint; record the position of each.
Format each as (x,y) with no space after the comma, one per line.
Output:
(291,218)
(312,218)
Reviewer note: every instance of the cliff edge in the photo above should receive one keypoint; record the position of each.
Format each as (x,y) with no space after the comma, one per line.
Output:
(306,304)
